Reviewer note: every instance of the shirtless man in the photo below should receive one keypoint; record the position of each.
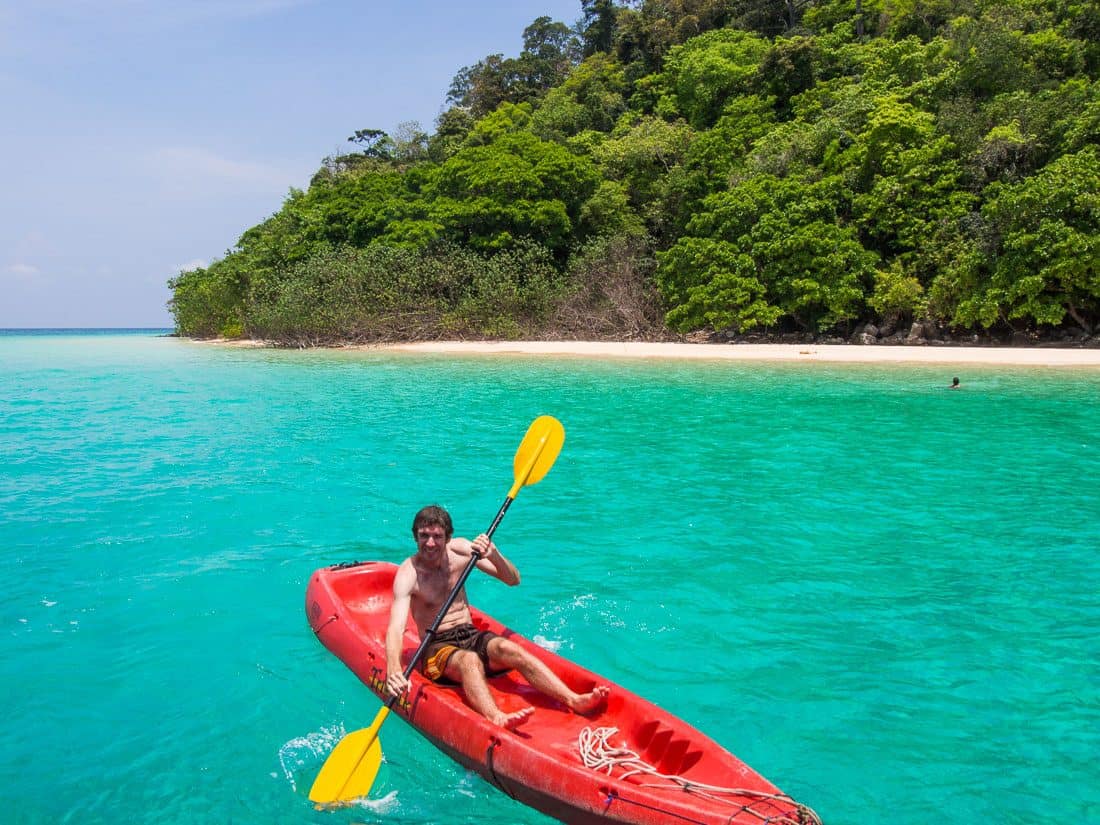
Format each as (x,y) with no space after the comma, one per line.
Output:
(459,653)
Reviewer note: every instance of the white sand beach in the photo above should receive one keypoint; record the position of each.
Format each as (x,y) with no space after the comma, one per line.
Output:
(804,353)
(808,353)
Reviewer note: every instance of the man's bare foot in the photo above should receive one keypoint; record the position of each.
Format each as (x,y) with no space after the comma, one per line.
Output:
(587,703)
(513,720)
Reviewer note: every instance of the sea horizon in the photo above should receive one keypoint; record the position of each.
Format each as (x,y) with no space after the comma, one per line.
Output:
(86,329)
(988,354)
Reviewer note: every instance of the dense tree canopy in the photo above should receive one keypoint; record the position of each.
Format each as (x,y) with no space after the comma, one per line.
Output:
(663,167)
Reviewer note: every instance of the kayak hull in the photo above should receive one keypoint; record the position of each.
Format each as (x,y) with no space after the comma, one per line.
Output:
(540,764)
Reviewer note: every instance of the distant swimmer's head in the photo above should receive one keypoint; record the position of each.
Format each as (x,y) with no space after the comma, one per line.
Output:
(954,383)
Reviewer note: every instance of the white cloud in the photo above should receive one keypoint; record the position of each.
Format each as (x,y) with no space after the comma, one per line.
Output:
(22,271)
(192,170)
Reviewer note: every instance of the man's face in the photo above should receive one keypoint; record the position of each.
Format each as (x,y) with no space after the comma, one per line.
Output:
(430,539)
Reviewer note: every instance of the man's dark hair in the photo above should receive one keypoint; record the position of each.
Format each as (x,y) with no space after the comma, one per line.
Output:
(433,514)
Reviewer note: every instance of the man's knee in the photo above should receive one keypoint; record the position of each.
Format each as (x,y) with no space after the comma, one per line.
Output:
(506,653)
(467,663)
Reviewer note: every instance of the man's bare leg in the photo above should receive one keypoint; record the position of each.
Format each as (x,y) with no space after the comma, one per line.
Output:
(592,701)
(465,667)
(544,680)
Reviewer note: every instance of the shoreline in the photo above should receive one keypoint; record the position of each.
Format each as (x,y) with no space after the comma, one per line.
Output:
(791,353)
(798,353)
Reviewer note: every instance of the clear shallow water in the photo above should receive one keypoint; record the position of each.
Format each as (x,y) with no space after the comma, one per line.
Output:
(878,593)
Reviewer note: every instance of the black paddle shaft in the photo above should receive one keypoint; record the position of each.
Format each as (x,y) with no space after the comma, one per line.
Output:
(430,635)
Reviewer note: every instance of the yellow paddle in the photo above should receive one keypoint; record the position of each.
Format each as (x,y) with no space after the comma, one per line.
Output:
(349,771)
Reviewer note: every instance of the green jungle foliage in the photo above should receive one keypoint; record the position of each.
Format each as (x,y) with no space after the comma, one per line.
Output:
(665,167)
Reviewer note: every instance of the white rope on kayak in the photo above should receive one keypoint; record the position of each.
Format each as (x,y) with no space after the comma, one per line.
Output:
(598,753)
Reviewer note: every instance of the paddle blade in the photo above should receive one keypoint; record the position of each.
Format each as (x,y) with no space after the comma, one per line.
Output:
(538,450)
(349,771)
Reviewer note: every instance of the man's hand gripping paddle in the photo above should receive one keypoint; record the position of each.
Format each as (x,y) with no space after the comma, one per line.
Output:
(349,771)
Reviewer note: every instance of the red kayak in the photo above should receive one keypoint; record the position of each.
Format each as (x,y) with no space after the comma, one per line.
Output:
(631,762)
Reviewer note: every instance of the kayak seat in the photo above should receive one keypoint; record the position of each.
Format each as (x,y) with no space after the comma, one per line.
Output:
(679,758)
(661,748)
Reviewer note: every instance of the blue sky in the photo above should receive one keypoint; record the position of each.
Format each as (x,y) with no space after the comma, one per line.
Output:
(139,137)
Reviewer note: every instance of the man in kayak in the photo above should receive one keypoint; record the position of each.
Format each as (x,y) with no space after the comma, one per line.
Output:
(460,653)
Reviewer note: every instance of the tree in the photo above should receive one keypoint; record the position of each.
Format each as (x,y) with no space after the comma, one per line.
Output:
(506,119)
(451,128)
(851,19)
(1081,120)
(769,18)
(642,153)
(715,153)
(484,86)
(702,75)
(787,70)
(598,25)
(208,302)
(1047,262)
(896,294)
(357,208)
(410,142)
(645,34)
(550,49)
(922,18)
(516,186)
(376,143)
(766,249)
(593,96)
(819,268)
(908,196)
(712,284)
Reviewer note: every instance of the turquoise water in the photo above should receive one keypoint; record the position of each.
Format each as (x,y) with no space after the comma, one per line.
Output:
(880,594)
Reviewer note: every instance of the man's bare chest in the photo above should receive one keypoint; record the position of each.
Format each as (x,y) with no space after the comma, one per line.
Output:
(433,586)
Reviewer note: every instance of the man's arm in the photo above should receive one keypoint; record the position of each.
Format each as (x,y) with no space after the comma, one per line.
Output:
(493,562)
(403,583)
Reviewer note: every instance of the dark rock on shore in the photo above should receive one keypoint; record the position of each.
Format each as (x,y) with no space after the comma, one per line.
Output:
(921,334)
